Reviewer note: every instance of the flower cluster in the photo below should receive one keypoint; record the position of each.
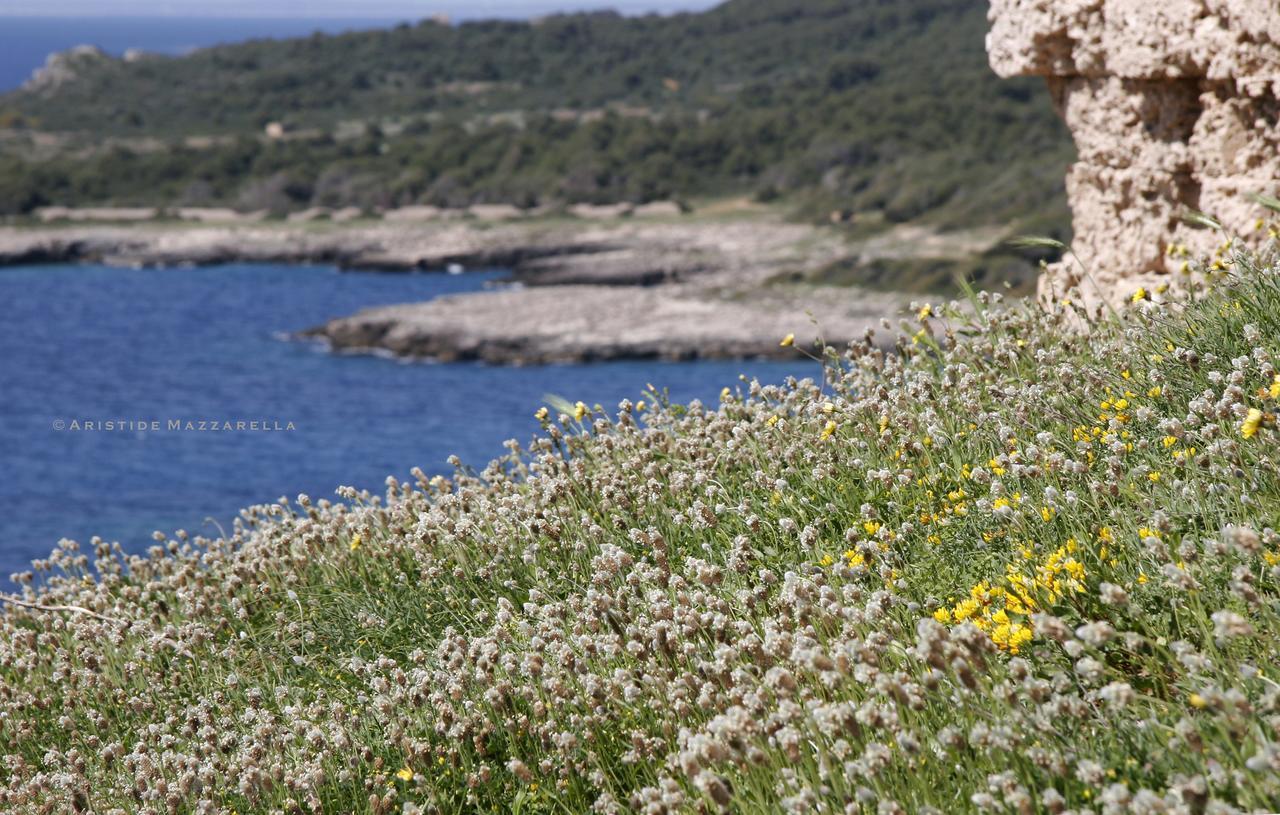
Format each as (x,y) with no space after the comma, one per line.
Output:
(1025,563)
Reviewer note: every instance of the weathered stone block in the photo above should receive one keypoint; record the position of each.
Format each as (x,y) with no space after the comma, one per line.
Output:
(1173,107)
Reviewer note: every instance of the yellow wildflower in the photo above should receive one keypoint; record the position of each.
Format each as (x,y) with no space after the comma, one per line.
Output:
(829,430)
(1251,422)
(926,312)
(404,774)
(788,341)
(542,414)
(965,609)
(771,421)
(1197,701)
(579,411)
(355,542)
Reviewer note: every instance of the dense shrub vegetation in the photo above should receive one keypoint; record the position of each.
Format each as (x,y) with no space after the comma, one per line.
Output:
(1028,564)
(860,106)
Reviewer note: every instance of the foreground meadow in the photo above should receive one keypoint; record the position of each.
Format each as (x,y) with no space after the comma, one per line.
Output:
(1016,567)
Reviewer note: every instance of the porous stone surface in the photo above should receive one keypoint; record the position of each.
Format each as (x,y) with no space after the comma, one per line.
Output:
(1173,107)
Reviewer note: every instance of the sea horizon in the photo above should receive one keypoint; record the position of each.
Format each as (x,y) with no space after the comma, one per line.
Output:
(27,40)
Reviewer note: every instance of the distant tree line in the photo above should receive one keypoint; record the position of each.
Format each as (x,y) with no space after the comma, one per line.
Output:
(836,105)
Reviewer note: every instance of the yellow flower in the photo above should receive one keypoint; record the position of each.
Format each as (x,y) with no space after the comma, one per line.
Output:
(771,421)
(788,341)
(870,527)
(1274,390)
(579,411)
(829,430)
(1047,513)
(640,406)
(542,414)
(1197,701)
(1153,477)
(355,542)
(404,774)
(1154,392)
(926,312)
(966,609)
(725,394)
(1139,295)
(1251,422)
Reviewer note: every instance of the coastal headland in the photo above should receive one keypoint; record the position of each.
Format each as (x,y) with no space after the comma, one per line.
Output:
(676,288)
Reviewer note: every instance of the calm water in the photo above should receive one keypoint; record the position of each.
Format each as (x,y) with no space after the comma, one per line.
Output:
(94,343)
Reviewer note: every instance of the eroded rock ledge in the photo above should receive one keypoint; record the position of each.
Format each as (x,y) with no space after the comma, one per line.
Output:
(592,323)
(1173,107)
(623,290)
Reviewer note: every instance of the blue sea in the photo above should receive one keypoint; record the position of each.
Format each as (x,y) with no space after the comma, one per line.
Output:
(84,344)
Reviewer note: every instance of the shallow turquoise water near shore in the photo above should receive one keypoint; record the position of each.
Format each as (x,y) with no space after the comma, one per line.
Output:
(95,344)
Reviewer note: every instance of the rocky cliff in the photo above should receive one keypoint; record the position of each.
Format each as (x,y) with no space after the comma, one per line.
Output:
(1173,108)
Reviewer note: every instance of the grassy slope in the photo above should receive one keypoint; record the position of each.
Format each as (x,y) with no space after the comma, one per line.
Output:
(867,106)
(1035,570)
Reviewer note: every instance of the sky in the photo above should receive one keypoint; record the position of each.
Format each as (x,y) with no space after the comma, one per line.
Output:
(313,9)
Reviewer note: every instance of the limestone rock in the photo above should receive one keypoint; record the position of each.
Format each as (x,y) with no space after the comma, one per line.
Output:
(598,212)
(495,212)
(658,209)
(62,67)
(1173,108)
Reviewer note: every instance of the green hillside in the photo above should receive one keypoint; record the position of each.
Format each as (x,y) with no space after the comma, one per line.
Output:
(865,106)
(1028,564)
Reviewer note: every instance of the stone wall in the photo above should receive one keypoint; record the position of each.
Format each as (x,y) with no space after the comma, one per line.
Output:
(1173,107)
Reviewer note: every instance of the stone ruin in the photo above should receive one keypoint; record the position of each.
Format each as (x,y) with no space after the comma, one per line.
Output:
(1173,108)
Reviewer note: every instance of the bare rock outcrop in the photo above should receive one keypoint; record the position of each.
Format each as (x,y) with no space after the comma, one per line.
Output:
(1173,108)
(62,67)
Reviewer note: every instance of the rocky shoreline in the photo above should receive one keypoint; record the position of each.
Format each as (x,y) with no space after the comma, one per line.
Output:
(622,290)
